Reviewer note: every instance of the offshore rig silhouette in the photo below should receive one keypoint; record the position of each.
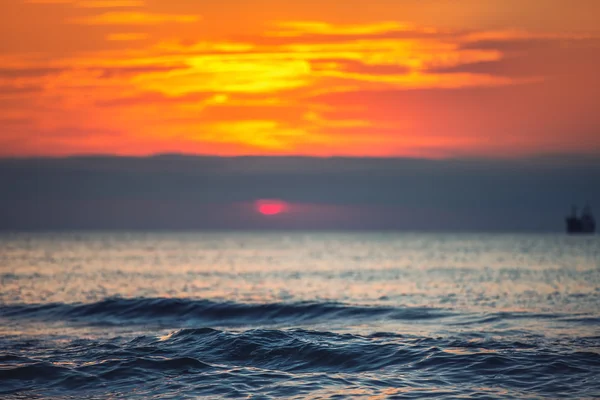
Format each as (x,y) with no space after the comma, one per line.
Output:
(584,224)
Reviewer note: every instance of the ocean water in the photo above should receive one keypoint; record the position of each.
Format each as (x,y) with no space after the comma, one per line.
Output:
(299,315)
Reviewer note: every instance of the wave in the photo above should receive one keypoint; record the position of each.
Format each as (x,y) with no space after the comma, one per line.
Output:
(279,363)
(178,312)
(165,310)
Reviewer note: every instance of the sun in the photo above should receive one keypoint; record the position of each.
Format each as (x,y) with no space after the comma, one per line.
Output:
(271,207)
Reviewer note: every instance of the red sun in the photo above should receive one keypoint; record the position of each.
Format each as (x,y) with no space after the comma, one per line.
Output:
(271,207)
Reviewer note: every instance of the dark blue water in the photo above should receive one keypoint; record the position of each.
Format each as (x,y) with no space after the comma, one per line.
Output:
(299,316)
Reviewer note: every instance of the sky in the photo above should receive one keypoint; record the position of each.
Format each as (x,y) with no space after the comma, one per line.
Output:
(171,192)
(434,79)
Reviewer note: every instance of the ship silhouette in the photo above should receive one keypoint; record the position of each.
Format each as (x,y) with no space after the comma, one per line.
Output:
(584,224)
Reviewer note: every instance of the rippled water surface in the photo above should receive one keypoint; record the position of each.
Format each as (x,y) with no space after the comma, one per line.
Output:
(299,315)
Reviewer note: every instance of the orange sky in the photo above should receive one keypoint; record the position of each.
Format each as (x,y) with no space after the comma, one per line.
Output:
(426,78)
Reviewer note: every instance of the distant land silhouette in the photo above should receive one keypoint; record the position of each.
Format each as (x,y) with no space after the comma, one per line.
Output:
(172,192)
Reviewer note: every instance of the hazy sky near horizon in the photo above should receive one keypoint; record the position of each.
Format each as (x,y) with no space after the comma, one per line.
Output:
(420,78)
(174,192)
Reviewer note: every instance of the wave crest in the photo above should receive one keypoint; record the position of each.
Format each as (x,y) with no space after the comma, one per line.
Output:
(163,310)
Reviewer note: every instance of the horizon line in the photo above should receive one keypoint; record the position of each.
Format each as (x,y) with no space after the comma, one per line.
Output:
(537,156)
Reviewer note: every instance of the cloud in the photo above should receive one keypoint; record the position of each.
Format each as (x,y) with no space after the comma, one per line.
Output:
(134,18)
(260,68)
(150,98)
(533,57)
(126,37)
(37,73)
(397,36)
(50,1)
(112,72)
(9,90)
(318,32)
(15,73)
(259,134)
(15,121)
(235,74)
(354,66)
(109,3)
(93,3)
(301,28)
(518,36)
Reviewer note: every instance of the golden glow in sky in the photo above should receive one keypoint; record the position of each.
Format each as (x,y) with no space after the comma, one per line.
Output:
(425,78)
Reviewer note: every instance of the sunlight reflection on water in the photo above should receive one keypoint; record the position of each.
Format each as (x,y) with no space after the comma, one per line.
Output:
(299,314)
(501,272)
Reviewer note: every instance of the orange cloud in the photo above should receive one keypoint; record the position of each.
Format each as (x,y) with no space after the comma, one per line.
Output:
(92,3)
(109,3)
(123,37)
(134,18)
(50,1)
(300,28)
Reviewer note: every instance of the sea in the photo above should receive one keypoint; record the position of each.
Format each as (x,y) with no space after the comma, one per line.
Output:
(299,315)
